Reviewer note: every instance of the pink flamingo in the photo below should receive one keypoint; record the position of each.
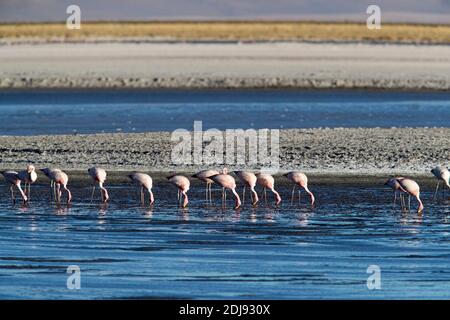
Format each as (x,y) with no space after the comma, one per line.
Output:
(204,176)
(13,178)
(28,177)
(58,178)
(227,182)
(395,185)
(441,173)
(183,184)
(145,182)
(268,182)
(47,171)
(98,175)
(248,179)
(301,180)
(412,188)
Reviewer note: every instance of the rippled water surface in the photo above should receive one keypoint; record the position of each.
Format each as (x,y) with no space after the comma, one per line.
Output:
(286,252)
(66,112)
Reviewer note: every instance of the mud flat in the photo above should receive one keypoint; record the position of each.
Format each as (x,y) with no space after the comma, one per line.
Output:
(338,151)
(226,65)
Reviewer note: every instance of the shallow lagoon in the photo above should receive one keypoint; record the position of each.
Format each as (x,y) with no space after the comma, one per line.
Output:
(125,250)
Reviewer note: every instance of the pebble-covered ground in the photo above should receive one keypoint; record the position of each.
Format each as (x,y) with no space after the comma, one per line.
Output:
(372,151)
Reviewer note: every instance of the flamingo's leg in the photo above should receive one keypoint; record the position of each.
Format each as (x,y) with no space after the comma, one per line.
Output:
(142,195)
(210,193)
(93,191)
(292,197)
(243,195)
(443,192)
(12,195)
(58,193)
(402,201)
(435,192)
(52,191)
(55,192)
(225,196)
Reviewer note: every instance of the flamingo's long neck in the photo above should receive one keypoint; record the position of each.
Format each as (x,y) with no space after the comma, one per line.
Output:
(21,191)
(276,194)
(238,200)
(255,194)
(185,202)
(311,194)
(420,204)
(152,199)
(447,183)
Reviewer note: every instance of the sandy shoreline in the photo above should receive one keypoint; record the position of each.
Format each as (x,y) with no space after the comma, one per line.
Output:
(339,151)
(226,65)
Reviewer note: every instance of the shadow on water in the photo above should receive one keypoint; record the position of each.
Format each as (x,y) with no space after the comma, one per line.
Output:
(287,251)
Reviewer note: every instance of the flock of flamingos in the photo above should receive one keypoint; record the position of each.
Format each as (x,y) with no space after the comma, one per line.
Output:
(59,180)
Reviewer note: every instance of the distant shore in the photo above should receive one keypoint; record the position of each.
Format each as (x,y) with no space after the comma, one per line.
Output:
(226,65)
(339,151)
(246,31)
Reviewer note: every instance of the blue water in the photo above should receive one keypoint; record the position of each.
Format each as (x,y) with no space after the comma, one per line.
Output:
(125,250)
(67,112)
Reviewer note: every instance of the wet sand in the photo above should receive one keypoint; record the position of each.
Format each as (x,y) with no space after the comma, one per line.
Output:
(339,151)
(225,65)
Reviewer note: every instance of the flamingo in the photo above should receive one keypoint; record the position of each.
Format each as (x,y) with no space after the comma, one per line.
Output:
(268,182)
(183,184)
(395,185)
(28,177)
(412,188)
(248,179)
(14,179)
(204,176)
(441,173)
(145,182)
(301,180)
(58,178)
(98,175)
(227,182)
(47,171)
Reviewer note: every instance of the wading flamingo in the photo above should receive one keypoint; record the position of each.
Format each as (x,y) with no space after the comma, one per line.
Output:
(14,180)
(301,180)
(412,188)
(98,175)
(183,184)
(441,173)
(227,182)
(248,179)
(204,176)
(267,182)
(145,182)
(58,178)
(395,185)
(28,177)
(47,171)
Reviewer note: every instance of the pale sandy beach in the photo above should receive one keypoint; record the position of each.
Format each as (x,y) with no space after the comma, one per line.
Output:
(371,151)
(225,65)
